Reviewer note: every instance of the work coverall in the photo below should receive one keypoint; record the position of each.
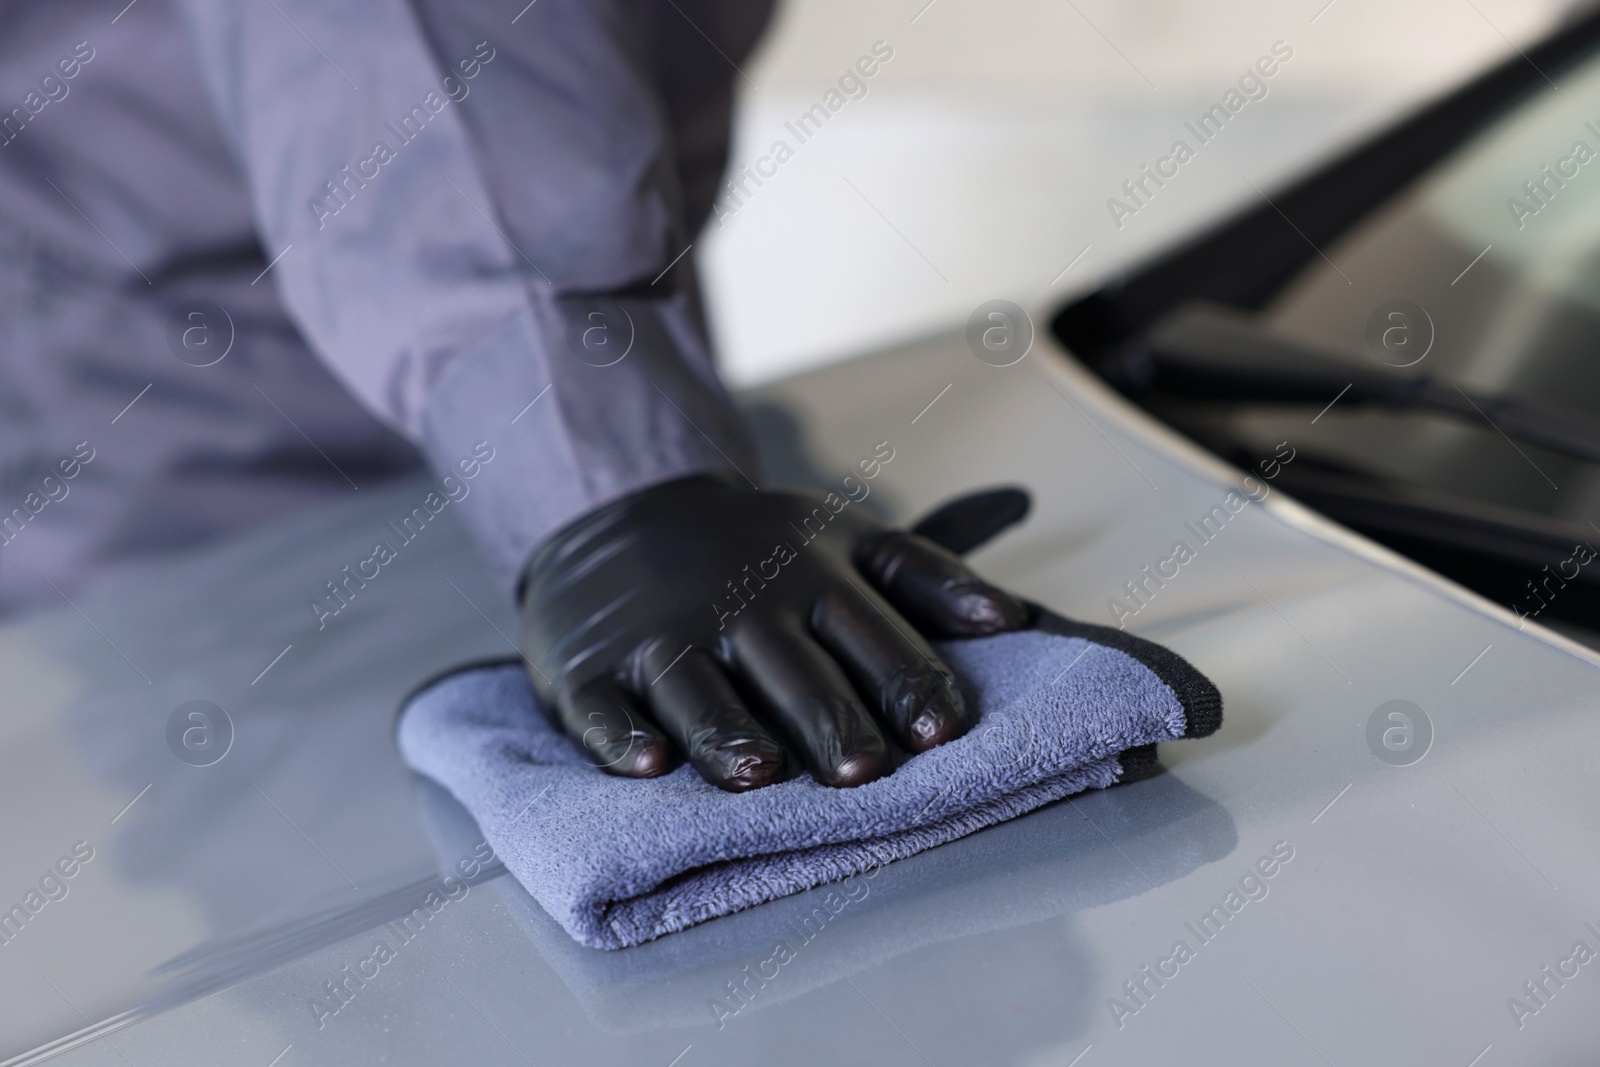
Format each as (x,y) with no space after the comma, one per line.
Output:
(256,254)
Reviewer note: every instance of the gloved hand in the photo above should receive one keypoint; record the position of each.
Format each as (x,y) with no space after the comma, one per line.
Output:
(758,632)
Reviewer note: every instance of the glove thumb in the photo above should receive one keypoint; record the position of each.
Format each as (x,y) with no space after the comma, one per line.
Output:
(967,522)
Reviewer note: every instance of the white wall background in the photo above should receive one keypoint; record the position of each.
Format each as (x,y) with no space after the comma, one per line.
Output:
(979,163)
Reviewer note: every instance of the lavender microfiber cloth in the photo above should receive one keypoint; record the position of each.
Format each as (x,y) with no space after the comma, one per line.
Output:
(1063,708)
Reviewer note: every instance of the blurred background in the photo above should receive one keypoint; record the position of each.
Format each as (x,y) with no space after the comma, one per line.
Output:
(979,162)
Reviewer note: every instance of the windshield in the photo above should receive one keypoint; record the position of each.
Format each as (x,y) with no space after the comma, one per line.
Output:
(1495,255)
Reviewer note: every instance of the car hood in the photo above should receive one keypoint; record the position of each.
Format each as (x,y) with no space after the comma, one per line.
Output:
(1429,886)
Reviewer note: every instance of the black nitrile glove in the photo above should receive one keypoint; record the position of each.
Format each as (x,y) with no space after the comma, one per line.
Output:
(758,632)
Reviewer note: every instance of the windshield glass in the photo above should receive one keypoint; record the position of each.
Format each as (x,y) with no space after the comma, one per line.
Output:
(1496,256)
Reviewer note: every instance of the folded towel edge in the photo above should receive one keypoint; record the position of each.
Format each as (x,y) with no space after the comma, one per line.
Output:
(614,924)
(1198,695)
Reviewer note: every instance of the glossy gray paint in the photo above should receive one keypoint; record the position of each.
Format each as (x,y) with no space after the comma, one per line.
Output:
(1419,898)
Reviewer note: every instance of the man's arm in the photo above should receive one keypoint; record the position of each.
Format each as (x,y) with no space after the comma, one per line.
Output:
(486,268)
(475,219)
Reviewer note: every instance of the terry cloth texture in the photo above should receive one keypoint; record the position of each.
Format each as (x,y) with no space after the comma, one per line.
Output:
(1063,708)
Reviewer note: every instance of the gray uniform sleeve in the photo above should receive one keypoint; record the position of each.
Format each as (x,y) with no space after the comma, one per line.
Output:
(474,220)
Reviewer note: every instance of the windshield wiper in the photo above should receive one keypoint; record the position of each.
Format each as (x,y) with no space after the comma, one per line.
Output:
(1215,352)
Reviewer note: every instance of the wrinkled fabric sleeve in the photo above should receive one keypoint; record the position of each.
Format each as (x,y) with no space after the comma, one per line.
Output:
(473,220)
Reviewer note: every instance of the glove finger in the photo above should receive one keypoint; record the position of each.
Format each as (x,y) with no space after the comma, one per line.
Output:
(962,524)
(937,592)
(610,726)
(891,664)
(697,707)
(813,700)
